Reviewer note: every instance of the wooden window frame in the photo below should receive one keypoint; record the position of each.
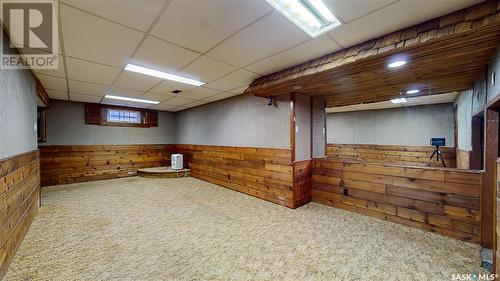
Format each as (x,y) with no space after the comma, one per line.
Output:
(96,114)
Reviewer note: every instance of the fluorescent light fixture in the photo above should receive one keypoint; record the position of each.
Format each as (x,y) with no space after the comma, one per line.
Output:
(130,99)
(312,16)
(161,74)
(398,100)
(397,63)
(413,91)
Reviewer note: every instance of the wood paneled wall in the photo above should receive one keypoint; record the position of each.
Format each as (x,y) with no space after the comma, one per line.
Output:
(393,154)
(497,221)
(79,163)
(19,202)
(445,201)
(302,173)
(266,173)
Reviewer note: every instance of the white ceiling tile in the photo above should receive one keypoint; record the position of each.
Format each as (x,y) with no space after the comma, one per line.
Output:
(234,80)
(58,95)
(163,106)
(206,69)
(114,102)
(52,82)
(167,86)
(138,104)
(136,81)
(177,101)
(197,103)
(348,10)
(160,55)
(124,92)
(156,97)
(206,23)
(238,90)
(221,96)
(268,36)
(200,93)
(95,39)
(179,108)
(90,72)
(133,13)
(84,98)
(413,101)
(86,88)
(59,71)
(304,52)
(397,16)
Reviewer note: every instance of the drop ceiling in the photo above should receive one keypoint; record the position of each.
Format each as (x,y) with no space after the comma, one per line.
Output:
(412,100)
(226,44)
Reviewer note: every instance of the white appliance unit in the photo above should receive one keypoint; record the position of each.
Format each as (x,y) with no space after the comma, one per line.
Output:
(177,161)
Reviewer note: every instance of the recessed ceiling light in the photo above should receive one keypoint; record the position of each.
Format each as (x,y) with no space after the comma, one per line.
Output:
(397,63)
(398,100)
(130,99)
(312,16)
(161,74)
(412,91)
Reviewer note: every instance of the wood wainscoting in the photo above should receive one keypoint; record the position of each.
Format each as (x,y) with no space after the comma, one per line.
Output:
(393,154)
(62,164)
(266,173)
(445,201)
(302,173)
(20,193)
(496,250)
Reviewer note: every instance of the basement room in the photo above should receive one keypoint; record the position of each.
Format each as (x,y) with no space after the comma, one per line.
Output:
(249,140)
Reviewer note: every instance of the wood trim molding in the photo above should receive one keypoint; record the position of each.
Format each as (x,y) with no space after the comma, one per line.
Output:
(292,124)
(42,94)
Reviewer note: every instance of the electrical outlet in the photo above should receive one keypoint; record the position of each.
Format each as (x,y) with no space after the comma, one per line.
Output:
(35,127)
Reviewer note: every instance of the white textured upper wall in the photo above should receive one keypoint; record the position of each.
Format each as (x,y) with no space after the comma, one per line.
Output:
(239,121)
(17,112)
(464,120)
(408,126)
(493,81)
(66,126)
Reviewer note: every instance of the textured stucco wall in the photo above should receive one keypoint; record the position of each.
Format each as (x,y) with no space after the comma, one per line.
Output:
(493,89)
(17,112)
(464,120)
(486,87)
(401,126)
(318,129)
(302,127)
(238,121)
(66,126)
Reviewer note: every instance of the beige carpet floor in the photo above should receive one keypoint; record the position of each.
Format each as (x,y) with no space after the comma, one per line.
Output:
(187,229)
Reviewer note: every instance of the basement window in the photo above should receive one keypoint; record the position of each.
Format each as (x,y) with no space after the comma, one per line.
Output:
(123,116)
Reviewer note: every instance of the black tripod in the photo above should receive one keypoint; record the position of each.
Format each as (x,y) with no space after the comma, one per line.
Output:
(439,155)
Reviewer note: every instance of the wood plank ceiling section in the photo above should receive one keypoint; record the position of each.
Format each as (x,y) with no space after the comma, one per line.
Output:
(444,54)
